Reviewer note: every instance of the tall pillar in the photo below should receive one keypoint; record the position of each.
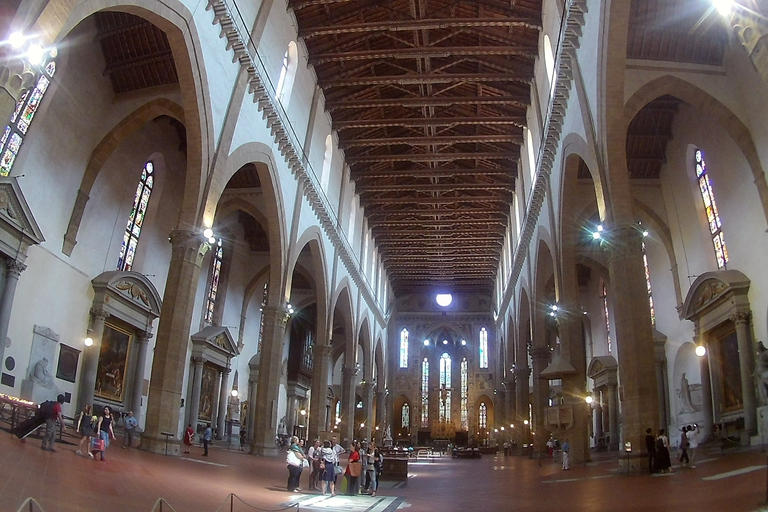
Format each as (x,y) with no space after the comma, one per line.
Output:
(253,379)
(522,376)
(368,389)
(662,382)
(170,359)
(540,356)
(746,365)
(221,418)
(193,409)
(347,426)
(91,358)
(381,411)
(321,362)
(634,336)
(598,421)
(613,418)
(265,407)
(706,394)
(138,380)
(13,269)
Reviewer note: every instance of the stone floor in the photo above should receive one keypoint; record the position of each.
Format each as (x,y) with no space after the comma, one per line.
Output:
(132,481)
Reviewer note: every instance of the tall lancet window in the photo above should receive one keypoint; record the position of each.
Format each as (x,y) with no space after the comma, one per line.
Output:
(713,218)
(483,348)
(405,414)
(210,300)
(264,295)
(604,296)
(648,284)
(445,388)
(26,108)
(425,393)
(136,219)
(482,414)
(464,392)
(404,348)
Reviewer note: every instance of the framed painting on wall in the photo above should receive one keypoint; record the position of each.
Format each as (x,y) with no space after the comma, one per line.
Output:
(113,359)
(67,368)
(207,390)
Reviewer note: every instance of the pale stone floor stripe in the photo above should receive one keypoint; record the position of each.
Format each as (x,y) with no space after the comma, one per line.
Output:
(735,472)
(561,480)
(206,462)
(343,503)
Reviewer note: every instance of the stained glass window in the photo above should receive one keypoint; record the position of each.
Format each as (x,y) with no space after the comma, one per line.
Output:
(483,348)
(425,393)
(404,348)
(136,218)
(483,416)
(405,413)
(281,79)
(445,388)
(464,392)
(25,111)
(648,285)
(210,301)
(307,361)
(263,305)
(607,318)
(338,413)
(713,217)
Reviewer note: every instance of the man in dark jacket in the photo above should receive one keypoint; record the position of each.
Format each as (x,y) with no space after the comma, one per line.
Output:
(650,445)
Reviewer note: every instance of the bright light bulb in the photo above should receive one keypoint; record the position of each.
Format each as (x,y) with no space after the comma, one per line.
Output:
(444,299)
(426,343)
(208,233)
(701,350)
(463,342)
(723,7)
(596,235)
(17,40)
(588,399)
(88,341)
(35,54)
(234,393)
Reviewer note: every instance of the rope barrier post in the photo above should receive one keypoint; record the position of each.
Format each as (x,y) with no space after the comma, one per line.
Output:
(31,508)
(231,503)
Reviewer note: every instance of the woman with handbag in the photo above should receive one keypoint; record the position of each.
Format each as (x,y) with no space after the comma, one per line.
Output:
(354,470)
(295,460)
(104,431)
(328,464)
(189,438)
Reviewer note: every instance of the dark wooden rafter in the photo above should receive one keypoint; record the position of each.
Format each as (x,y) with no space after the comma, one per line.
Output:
(428,100)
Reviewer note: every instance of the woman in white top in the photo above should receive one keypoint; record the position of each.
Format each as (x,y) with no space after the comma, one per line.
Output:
(329,460)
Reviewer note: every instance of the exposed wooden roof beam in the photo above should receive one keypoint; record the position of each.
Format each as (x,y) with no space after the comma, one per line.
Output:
(424,24)
(434,101)
(372,213)
(416,122)
(439,187)
(433,157)
(431,141)
(501,198)
(430,78)
(309,3)
(440,172)
(434,52)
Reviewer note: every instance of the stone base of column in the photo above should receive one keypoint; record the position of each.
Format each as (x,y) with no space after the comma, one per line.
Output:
(158,445)
(265,451)
(633,463)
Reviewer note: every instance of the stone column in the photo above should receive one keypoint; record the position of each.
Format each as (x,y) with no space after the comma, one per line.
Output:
(253,379)
(321,362)
(634,335)
(91,358)
(706,395)
(540,356)
(13,269)
(381,411)
(142,342)
(265,407)
(193,408)
(347,426)
(368,389)
(661,380)
(746,365)
(522,375)
(613,419)
(170,359)
(598,421)
(221,419)
(290,412)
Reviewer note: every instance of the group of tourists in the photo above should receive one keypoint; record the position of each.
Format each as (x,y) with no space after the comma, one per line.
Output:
(361,473)
(96,432)
(658,449)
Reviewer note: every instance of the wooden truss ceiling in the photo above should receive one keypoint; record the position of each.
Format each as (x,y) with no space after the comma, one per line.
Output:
(429,100)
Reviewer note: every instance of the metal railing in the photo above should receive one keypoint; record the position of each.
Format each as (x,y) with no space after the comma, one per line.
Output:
(162,505)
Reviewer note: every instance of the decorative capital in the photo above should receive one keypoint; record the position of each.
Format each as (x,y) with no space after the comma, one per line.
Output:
(14,268)
(99,315)
(540,353)
(742,317)
(188,246)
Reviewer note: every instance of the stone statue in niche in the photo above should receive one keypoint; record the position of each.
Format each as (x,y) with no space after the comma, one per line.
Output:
(281,429)
(684,393)
(761,371)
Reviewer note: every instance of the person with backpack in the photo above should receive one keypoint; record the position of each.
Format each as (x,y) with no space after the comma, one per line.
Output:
(86,422)
(51,413)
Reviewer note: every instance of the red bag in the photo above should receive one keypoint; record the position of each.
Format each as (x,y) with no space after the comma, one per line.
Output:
(97,445)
